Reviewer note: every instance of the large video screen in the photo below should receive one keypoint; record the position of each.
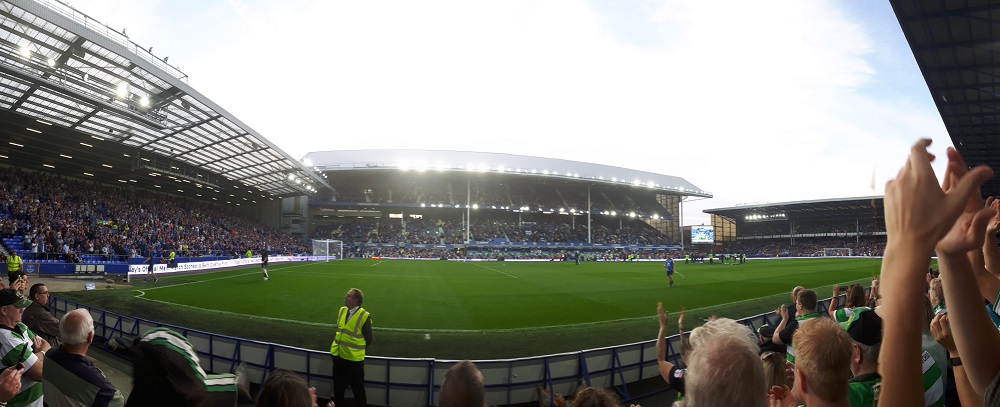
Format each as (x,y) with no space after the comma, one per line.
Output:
(702,235)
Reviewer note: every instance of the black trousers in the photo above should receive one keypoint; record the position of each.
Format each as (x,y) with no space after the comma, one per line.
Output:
(346,372)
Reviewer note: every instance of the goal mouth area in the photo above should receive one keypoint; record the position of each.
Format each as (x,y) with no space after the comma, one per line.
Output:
(330,248)
(837,252)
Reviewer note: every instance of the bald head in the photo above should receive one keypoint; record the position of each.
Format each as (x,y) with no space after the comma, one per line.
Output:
(76,328)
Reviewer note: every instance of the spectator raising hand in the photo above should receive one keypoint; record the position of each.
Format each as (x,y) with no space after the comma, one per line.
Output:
(918,214)
(668,371)
(960,259)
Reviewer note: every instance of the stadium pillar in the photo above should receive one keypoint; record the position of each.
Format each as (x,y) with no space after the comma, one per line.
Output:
(680,224)
(588,216)
(468,206)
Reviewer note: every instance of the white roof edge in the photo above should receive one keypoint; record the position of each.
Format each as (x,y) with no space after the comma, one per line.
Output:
(467,161)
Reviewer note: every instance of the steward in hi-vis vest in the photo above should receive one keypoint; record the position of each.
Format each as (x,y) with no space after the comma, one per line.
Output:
(354,335)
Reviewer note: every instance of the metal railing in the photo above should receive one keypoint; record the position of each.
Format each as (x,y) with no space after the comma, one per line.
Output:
(416,381)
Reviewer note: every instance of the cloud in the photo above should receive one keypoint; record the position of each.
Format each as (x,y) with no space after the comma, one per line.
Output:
(753,101)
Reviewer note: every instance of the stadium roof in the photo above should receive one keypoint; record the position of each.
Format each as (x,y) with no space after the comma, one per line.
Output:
(466,161)
(957,47)
(80,99)
(815,210)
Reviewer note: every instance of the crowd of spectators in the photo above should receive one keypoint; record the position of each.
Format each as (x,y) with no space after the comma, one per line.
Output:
(784,228)
(807,247)
(539,229)
(65,219)
(940,333)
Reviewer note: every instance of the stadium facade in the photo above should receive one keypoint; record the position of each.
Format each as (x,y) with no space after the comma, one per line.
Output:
(855,226)
(490,200)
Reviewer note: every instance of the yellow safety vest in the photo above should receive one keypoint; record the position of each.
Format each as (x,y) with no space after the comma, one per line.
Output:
(249,254)
(172,254)
(13,263)
(349,343)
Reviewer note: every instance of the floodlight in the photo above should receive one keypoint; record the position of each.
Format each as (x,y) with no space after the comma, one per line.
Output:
(650,184)
(476,206)
(25,52)
(122,89)
(631,214)
(307,162)
(144,101)
(52,63)
(613,213)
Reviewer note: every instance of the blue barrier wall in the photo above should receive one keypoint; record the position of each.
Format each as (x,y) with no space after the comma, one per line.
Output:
(417,381)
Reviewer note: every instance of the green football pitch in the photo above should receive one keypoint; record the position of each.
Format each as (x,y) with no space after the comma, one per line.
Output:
(451,309)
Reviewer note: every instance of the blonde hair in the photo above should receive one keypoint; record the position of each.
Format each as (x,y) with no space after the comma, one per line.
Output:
(725,371)
(722,327)
(823,355)
(774,369)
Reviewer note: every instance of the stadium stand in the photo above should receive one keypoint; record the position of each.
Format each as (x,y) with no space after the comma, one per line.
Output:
(51,219)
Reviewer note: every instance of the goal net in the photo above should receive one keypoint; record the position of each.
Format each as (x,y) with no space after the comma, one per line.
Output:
(330,249)
(836,252)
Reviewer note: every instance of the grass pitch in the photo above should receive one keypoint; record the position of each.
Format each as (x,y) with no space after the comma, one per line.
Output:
(473,309)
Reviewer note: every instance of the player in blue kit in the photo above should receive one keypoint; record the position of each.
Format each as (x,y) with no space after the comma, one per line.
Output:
(669,265)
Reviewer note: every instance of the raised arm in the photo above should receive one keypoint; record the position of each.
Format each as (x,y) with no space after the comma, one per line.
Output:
(661,348)
(832,309)
(918,213)
(776,336)
(959,254)
(988,276)
(941,330)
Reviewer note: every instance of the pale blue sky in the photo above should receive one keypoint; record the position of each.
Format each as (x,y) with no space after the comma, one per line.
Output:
(772,101)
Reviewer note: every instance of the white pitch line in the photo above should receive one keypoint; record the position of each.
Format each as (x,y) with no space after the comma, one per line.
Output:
(394,276)
(493,269)
(214,279)
(215,311)
(376,263)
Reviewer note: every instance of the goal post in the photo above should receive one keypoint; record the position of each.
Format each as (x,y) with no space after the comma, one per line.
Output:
(836,252)
(330,249)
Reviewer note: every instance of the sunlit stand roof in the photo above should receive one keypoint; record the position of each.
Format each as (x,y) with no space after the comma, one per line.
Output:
(465,161)
(80,98)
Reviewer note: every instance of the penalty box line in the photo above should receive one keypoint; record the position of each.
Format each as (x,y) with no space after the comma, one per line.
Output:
(213,279)
(493,269)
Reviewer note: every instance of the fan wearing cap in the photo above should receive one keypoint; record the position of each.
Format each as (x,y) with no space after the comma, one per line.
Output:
(865,329)
(19,345)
